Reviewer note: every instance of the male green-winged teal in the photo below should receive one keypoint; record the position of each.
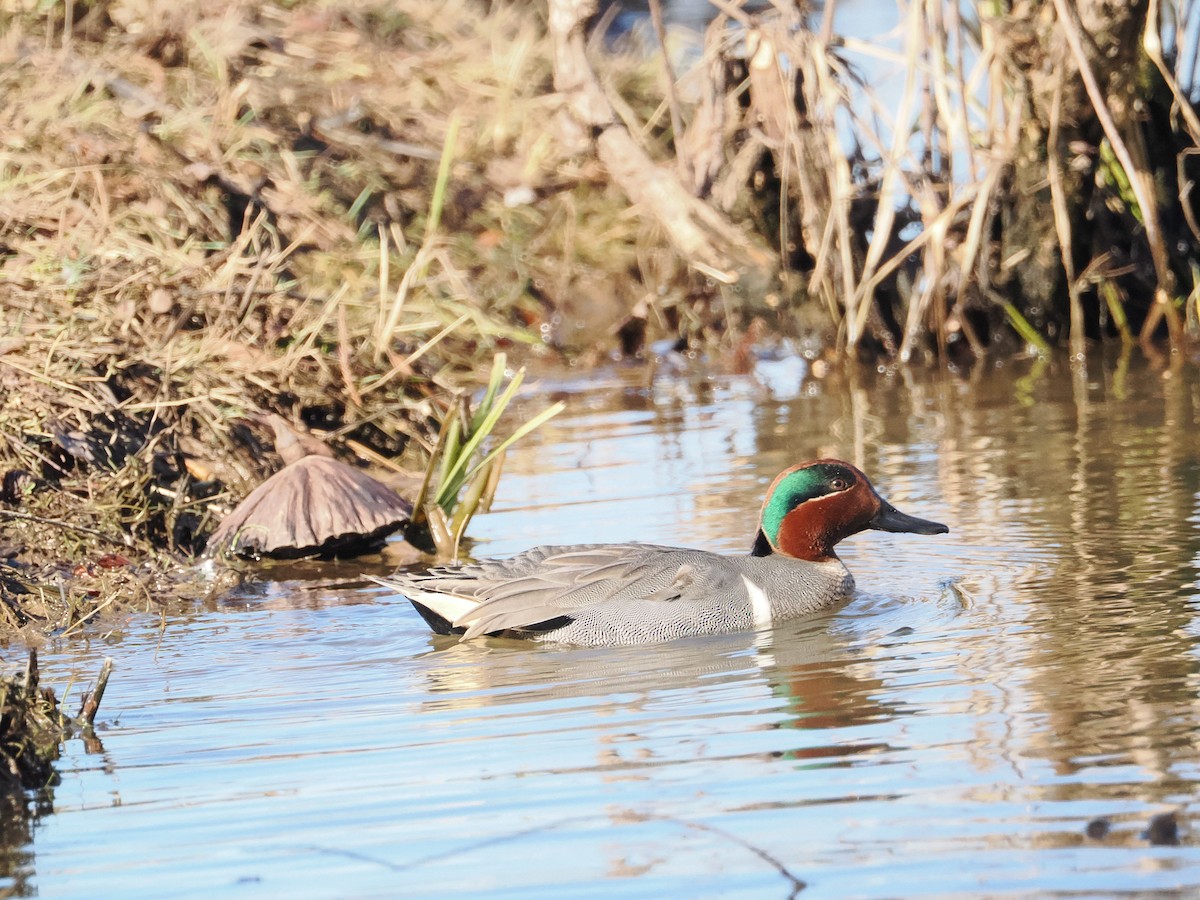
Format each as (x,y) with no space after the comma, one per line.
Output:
(604,594)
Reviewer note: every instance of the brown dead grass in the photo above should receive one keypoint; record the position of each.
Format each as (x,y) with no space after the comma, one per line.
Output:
(216,212)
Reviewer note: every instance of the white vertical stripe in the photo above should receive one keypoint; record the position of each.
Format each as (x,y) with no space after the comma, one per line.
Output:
(760,606)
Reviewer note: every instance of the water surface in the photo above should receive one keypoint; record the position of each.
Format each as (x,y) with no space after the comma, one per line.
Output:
(953,730)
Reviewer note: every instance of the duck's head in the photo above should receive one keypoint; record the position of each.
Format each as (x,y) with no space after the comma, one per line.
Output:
(812,506)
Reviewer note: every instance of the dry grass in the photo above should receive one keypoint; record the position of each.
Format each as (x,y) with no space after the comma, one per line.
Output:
(261,165)
(216,212)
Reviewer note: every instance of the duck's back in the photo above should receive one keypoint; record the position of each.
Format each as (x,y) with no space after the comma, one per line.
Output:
(697,593)
(604,594)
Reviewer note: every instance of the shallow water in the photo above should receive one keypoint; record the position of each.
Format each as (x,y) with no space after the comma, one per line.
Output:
(953,730)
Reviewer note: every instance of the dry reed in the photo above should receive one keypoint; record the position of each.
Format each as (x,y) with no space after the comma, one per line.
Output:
(918,218)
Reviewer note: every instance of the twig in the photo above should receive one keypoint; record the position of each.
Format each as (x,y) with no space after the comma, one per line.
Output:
(734,11)
(341,130)
(405,365)
(1062,223)
(53,382)
(681,154)
(91,700)
(28,517)
(89,615)
(343,358)
(798,884)
(31,673)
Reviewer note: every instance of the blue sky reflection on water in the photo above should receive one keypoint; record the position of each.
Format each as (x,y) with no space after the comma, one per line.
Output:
(951,731)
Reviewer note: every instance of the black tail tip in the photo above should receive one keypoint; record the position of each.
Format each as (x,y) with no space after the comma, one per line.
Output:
(438,623)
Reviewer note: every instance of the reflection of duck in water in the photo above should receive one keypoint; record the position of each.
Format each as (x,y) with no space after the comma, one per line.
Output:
(608,594)
(808,663)
(615,701)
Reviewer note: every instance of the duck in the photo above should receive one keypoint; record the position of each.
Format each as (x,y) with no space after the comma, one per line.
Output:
(634,593)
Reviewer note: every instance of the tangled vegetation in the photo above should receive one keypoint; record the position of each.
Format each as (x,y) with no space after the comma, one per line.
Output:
(1030,182)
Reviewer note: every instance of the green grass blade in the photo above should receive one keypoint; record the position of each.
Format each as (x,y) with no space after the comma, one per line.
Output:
(537,421)
(1025,330)
(438,203)
(495,470)
(468,505)
(499,361)
(1112,299)
(418,517)
(458,473)
(439,530)
(453,442)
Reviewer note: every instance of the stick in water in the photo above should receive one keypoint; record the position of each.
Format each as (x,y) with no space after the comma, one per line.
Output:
(91,702)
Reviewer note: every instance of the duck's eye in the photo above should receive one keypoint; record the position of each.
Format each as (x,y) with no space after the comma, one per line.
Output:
(839,484)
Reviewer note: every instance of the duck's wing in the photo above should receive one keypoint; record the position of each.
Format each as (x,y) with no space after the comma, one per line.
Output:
(534,586)
(561,581)
(545,584)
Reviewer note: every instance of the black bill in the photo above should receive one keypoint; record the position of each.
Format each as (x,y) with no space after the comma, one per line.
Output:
(891,519)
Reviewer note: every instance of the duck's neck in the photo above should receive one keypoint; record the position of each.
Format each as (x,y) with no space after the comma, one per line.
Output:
(762,547)
(798,539)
